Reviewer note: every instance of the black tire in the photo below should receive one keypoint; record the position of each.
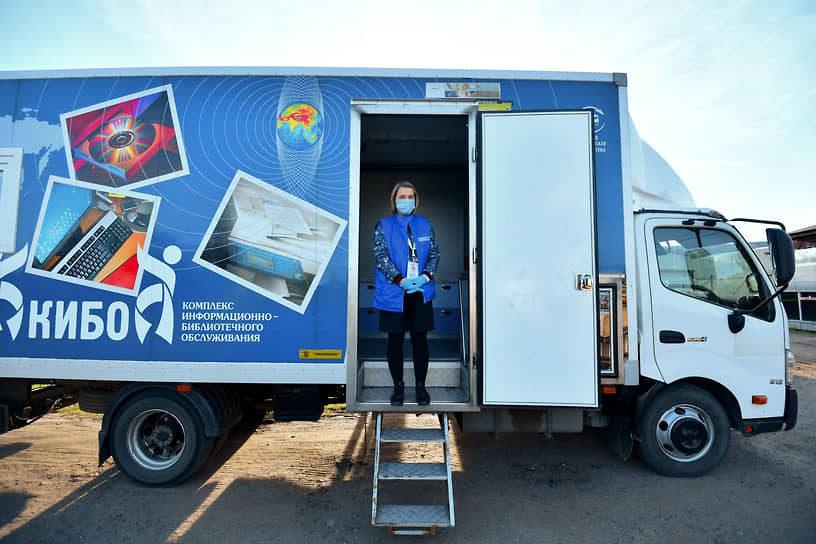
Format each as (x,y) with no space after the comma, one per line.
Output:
(158,439)
(684,431)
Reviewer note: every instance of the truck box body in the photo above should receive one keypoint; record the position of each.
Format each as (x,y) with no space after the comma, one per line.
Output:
(241,304)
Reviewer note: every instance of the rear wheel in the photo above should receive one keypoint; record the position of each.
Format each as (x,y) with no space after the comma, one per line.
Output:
(684,431)
(158,439)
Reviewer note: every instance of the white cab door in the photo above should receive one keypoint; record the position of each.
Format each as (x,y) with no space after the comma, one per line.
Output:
(538,237)
(697,276)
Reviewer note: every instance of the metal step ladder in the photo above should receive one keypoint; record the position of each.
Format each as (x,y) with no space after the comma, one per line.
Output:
(412,519)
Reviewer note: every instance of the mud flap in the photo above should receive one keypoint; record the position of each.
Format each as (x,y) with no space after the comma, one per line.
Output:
(619,438)
(4,419)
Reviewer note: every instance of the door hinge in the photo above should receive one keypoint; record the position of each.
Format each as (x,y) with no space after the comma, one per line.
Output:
(475,154)
(475,255)
(475,360)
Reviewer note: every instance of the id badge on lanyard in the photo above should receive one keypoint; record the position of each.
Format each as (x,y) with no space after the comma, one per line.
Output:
(413,265)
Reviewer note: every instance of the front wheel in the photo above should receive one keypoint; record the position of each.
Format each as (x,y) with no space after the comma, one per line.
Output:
(684,431)
(158,439)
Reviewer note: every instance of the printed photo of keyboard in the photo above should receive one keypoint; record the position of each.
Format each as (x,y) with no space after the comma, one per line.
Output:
(96,248)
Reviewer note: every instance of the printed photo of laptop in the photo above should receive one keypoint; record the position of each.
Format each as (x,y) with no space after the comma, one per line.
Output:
(68,208)
(79,233)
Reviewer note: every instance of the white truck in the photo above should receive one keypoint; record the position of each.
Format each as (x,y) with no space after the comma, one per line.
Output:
(181,248)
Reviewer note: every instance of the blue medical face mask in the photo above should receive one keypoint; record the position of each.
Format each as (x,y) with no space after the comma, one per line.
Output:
(405,206)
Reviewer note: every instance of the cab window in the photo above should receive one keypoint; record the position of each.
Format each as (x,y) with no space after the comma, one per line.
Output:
(710,265)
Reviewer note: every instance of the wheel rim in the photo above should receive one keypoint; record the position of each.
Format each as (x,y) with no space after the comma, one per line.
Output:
(685,433)
(155,439)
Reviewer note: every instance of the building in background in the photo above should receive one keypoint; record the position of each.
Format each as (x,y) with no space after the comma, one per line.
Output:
(804,238)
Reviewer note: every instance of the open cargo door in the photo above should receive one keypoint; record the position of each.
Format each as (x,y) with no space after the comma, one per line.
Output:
(432,144)
(539,294)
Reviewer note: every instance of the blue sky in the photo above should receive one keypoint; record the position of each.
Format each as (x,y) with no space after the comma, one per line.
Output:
(726,92)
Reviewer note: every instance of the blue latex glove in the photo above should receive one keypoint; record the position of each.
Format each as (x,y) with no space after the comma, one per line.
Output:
(417,283)
(408,284)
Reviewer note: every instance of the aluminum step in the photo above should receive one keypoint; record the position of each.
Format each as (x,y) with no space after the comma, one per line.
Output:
(411,435)
(412,519)
(413,471)
(381,398)
(440,374)
(413,515)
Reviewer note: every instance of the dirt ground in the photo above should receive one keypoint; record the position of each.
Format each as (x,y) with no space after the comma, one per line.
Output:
(311,482)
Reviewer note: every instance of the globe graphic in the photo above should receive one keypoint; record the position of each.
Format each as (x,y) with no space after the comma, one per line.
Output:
(300,126)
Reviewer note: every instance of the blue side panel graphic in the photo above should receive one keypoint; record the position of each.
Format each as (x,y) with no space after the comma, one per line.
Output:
(191,167)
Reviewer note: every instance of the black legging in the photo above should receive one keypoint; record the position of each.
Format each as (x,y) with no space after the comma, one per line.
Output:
(420,342)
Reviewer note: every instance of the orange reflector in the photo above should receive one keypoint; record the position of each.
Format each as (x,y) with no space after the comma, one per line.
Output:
(609,389)
(749,429)
(184,388)
(759,399)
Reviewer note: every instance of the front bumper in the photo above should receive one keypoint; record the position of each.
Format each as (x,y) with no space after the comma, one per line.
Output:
(753,427)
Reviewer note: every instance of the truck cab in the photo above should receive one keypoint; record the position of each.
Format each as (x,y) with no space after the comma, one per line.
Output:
(713,338)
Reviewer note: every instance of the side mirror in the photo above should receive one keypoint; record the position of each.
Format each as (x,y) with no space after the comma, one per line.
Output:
(736,322)
(782,253)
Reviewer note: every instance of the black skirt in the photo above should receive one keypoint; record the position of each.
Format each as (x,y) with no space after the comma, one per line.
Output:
(416,316)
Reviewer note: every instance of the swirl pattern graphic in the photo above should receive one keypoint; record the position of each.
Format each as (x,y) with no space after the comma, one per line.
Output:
(229,123)
(299,165)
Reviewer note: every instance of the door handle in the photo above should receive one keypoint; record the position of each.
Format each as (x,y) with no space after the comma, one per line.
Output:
(672,337)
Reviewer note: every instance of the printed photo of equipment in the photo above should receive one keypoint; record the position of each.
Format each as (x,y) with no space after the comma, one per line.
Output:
(270,241)
(88,235)
(131,141)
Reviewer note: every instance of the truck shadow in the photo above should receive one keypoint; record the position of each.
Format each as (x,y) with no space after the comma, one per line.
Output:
(111,507)
(236,439)
(327,505)
(12,505)
(11,449)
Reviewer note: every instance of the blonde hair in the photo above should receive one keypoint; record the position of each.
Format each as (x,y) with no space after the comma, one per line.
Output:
(397,187)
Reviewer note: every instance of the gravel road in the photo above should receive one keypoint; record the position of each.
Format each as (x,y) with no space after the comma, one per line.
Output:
(311,482)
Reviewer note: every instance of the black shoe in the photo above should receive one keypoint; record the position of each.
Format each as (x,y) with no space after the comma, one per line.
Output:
(398,396)
(422,396)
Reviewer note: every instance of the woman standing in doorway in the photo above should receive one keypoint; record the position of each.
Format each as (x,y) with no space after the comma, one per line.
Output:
(406,255)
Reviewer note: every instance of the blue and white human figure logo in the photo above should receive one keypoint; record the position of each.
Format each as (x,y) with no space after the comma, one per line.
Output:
(158,293)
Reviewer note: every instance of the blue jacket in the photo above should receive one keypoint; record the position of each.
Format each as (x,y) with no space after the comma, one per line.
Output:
(391,254)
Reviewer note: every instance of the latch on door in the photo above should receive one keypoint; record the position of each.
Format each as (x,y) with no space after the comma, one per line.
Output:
(583,282)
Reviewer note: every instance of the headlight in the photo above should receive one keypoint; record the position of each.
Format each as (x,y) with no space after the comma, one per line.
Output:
(790,360)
